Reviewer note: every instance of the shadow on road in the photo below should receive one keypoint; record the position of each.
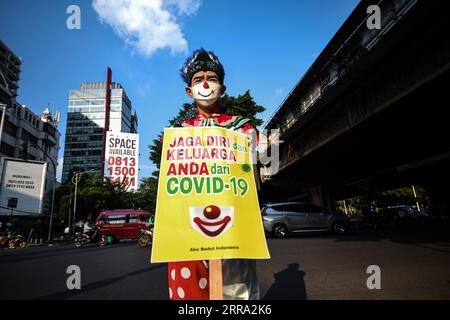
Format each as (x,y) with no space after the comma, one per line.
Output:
(289,284)
(432,236)
(67,294)
(43,252)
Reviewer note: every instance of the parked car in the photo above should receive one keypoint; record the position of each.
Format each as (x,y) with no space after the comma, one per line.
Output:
(403,214)
(122,223)
(280,219)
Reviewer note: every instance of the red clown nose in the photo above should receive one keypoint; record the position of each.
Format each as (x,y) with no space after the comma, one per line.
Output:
(205,85)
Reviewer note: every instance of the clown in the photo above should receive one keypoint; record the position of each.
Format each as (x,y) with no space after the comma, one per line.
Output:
(204,76)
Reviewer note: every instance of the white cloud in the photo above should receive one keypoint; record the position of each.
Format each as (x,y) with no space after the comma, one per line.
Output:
(279,92)
(187,7)
(147,25)
(143,89)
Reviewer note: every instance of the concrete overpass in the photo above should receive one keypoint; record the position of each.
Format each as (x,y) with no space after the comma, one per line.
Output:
(371,112)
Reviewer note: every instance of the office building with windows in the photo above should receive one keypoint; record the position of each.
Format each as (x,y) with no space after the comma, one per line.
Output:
(24,136)
(9,74)
(30,137)
(85,125)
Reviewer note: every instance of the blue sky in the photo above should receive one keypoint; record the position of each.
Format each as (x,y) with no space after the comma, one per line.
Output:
(265,46)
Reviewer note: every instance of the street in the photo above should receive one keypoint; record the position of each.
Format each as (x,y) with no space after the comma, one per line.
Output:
(414,263)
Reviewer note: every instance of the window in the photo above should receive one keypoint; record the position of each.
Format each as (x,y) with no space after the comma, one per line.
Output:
(12,202)
(26,136)
(144,217)
(49,129)
(10,129)
(117,219)
(132,218)
(286,208)
(7,149)
(311,208)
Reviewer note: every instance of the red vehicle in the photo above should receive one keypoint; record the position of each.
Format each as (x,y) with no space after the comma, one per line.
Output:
(122,223)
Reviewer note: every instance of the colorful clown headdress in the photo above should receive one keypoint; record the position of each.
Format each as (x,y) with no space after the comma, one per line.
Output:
(201,60)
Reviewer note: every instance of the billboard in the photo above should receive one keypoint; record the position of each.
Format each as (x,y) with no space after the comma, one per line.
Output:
(22,187)
(121,158)
(207,197)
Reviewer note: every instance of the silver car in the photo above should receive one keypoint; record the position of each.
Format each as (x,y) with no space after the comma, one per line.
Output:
(280,219)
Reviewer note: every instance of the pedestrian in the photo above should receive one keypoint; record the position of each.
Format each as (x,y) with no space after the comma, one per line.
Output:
(204,76)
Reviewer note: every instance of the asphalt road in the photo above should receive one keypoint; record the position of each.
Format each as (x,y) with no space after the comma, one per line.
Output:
(414,263)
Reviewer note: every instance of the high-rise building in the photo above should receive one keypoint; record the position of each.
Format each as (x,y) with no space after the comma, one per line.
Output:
(85,125)
(26,137)
(9,74)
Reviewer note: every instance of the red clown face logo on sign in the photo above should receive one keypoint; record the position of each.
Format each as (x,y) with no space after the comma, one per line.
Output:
(211,221)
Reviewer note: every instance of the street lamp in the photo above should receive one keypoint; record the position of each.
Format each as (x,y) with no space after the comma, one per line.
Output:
(54,187)
(75,179)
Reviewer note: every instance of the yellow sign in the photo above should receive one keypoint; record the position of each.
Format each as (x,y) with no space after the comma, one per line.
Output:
(207,205)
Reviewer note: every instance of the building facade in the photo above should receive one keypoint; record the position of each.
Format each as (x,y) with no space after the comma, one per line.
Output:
(83,148)
(9,74)
(30,137)
(24,135)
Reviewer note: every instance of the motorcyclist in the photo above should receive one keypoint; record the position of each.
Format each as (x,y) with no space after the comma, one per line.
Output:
(89,227)
(145,238)
(151,221)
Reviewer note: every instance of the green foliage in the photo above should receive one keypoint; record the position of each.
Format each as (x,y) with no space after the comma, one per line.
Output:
(155,152)
(187,111)
(95,194)
(383,199)
(148,190)
(242,105)
(37,228)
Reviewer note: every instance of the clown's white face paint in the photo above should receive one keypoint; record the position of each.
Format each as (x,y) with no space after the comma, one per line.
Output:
(206,93)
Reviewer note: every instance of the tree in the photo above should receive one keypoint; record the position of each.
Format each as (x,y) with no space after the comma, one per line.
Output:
(242,105)
(386,198)
(147,192)
(94,194)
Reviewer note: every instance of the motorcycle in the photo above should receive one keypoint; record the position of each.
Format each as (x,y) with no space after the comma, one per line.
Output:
(81,239)
(18,242)
(4,241)
(12,242)
(145,238)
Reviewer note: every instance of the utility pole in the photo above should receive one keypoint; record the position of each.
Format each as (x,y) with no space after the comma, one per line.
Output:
(53,191)
(75,179)
(107,112)
(2,121)
(415,197)
(70,213)
(345,208)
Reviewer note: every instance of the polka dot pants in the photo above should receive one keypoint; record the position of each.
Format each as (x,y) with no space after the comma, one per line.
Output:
(188,280)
